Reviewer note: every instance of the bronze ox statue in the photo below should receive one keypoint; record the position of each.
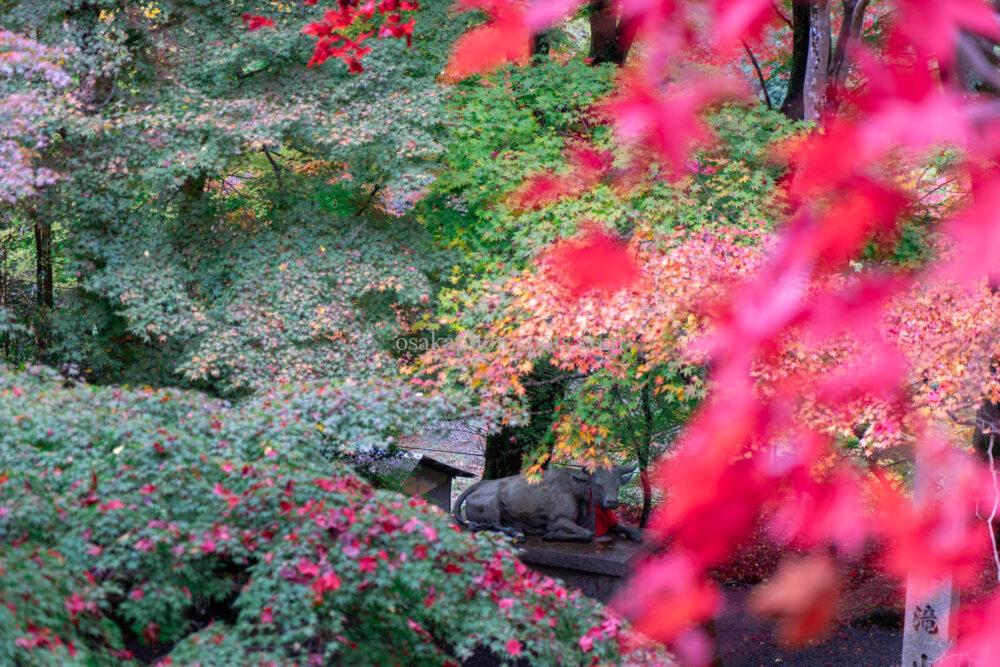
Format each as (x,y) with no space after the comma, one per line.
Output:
(561,507)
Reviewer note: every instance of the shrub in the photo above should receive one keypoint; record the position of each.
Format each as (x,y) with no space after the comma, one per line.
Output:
(146,525)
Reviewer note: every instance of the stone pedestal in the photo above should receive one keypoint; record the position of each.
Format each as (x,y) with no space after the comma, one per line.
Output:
(599,569)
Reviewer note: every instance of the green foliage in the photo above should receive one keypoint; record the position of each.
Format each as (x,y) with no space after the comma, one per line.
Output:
(630,415)
(140,524)
(519,123)
(198,158)
(503,130)
(291,295)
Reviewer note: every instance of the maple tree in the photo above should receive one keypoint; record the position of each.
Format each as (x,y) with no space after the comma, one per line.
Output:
(30,72)
(188,143)
(720,474)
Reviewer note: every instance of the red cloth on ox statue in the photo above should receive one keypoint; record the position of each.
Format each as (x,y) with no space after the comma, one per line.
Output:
(604,520)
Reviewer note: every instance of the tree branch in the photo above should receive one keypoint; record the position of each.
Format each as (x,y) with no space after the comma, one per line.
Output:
(996,506)
(760,74)
(276,168)
(371,196)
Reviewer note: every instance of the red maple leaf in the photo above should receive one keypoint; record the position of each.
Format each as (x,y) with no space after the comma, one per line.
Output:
(668,121)
(976,232)
(503,39)
(328,581)
(933,26)
(673,597)
(803,596)
(595,261)
(741,19)
(978,640)
(255,22)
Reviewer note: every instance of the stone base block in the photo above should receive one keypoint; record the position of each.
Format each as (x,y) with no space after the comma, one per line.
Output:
(599,569)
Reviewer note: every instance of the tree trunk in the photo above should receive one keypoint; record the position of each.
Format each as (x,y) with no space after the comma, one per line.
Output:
(545,386)
(504,454)
(4,296)
(712,632)
(643,454)
(608,42)
(191,198)
(44,298)
(818,61)
(850,33)
(987,421)
(541,45)
(793,107)
(647,496)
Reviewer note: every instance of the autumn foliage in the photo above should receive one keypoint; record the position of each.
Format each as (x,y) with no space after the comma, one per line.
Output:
(836,392)
(159,527)
(804,301)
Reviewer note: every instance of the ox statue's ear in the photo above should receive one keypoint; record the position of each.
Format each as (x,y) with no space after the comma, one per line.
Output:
(581,476)
(627,472)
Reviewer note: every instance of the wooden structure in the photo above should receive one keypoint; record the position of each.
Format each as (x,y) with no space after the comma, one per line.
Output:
(431,479)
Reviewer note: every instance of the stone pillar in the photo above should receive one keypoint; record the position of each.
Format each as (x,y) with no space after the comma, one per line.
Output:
(930,615)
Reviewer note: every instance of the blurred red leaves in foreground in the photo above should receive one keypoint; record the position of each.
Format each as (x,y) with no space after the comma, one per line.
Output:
(749,453)
(595,261)
(504,38)
(673,595)
(588,166)
(667,122)
(802,596)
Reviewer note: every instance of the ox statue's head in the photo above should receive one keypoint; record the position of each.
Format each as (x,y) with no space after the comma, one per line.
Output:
(605,483)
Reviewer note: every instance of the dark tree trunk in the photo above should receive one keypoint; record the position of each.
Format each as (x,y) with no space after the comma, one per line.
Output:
(647,496)
(712,632)
(850,32)
(44,297)
(43,263)
(644,450)
(987,421)
(504,454)
(541,44)
(191,198)
(793,106)
(4,295)
(545,386)
(610,39)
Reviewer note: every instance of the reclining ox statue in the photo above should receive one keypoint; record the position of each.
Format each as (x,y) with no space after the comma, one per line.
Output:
(561,507)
